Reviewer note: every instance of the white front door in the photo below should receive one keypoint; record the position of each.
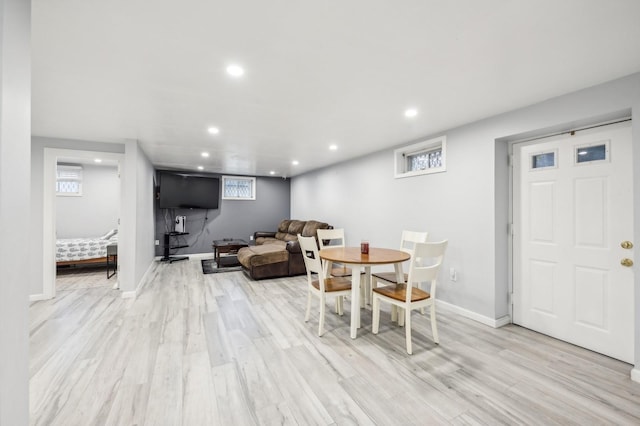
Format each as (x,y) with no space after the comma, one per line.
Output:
(573,212)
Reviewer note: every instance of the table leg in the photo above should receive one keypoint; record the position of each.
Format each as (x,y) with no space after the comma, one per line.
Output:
(327,265)
(355,300)
(367,287)
(399,279)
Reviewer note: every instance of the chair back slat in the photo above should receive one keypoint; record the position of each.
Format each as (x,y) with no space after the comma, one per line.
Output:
(425,265)
(410,238)
(332,237)
(311,259)
(310,253)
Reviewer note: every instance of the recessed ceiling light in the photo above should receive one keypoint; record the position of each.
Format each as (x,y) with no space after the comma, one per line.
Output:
(295,162)
(235,70)
(333,147)
(98,160)
(200,168)
(410,113)
(272,172)
(205,154)
(213,130)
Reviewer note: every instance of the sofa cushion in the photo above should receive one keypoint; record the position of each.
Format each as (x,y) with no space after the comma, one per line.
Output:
(281,236)
(284,226)
(312,226)
(290,237)
(270,240)
(296,227)
(262,255)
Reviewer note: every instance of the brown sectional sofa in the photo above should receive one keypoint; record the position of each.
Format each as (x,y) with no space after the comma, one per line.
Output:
(277,254)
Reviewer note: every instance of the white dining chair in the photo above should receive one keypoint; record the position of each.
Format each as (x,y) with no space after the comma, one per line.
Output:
(330,238)
(323,285)
(333,238)
(424,267)
(407,242)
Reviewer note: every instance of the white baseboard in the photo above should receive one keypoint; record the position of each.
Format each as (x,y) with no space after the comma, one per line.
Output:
(502,321)
(491,322)
(37,297)
(635,374)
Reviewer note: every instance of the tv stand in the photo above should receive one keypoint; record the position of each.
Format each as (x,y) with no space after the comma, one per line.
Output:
(167,247)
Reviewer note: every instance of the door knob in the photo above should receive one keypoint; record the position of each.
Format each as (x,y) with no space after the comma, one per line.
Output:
(626,262)
(626,245)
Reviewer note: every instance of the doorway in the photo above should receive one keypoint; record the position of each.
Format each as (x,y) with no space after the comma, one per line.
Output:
(87,215)
(572,248)
(51,158)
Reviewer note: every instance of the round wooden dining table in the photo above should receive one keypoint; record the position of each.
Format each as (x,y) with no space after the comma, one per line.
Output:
(355,259)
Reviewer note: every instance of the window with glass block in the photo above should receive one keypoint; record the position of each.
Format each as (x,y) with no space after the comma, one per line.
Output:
(424,160)
(421,158)
(68,180)
(238,188)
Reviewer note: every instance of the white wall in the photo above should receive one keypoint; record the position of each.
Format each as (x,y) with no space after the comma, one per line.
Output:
(15,133)
(468,204)
(145,216)
(363,197)
(136,240)
(100,198)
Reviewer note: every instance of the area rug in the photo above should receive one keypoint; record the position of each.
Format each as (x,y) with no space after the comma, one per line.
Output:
(209,266)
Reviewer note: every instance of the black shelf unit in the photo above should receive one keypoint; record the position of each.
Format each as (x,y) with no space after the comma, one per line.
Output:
(168,247)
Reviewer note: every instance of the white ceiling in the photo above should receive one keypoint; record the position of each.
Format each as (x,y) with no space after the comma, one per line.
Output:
(317,72)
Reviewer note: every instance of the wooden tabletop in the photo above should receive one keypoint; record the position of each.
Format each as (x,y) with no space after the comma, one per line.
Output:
(352,255)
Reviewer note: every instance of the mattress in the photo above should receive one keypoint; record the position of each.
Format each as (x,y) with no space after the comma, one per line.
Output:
(83,248)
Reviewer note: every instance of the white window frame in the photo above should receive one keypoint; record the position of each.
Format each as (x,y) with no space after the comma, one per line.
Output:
(73,174)
(577,148)
(245,178)
(400,157)
(549,151)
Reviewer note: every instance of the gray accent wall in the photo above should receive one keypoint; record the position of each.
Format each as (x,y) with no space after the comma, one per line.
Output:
(96,211)
(233,218)
(469,203)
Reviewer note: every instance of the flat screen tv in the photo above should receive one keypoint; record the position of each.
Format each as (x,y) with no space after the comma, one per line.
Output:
(182,190)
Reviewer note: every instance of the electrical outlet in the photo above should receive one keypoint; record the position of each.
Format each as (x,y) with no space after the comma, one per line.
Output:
(453,274)
(250,237)
(157,242)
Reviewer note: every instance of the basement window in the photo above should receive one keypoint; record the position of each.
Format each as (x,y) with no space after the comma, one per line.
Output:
(68,180)
(238,188)
(421,158)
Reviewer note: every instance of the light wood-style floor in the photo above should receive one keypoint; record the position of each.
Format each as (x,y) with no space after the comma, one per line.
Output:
(82,277)
(220,349)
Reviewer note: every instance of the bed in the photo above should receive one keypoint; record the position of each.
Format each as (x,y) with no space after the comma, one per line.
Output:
(76,251)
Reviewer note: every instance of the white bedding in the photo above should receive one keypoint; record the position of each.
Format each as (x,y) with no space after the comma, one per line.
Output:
(83,248)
